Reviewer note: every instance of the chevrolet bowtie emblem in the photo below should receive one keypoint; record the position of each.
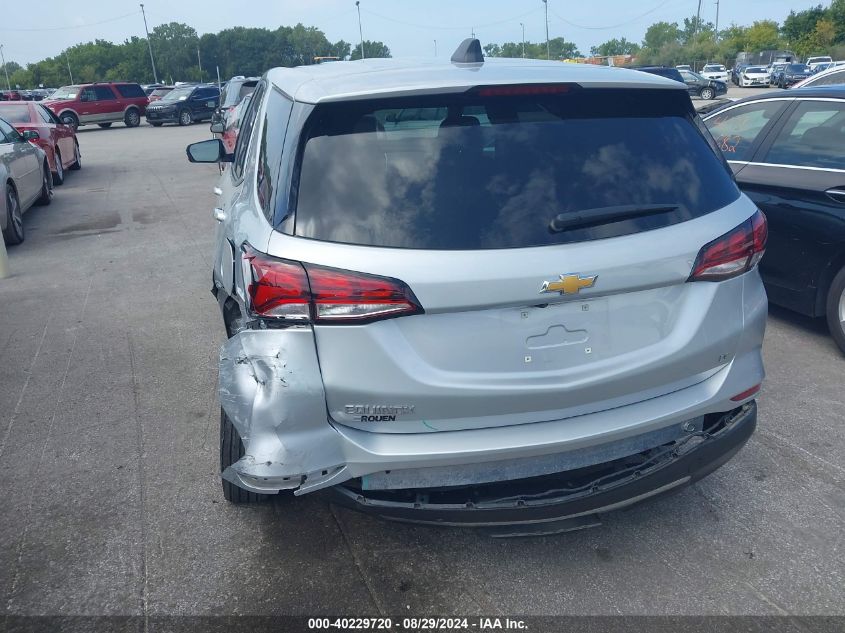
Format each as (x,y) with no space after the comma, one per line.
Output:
(569,284)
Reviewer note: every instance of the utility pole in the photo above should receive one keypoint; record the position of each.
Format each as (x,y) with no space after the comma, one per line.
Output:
(199,60)
(522,24)
(149,44)
(435,48)
(360,30)
(548,49)
(717,20)
(67,60)
(6,72)
(697,18)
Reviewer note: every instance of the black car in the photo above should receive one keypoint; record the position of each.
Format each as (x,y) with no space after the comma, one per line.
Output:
(791,74)
(788,156)
(184,105)
(233,93)
(697,86)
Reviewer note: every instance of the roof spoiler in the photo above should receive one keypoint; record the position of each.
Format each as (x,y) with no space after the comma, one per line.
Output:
(469,52)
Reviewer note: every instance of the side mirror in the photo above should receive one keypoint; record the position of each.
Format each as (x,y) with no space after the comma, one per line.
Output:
(217,127)
(211,151)
(30,135)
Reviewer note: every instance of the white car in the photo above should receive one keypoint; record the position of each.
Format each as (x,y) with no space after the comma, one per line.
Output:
(812,62)
(717,72)
(754,76)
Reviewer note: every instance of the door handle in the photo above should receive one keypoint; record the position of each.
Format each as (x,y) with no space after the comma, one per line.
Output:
(837,194)
(219,214)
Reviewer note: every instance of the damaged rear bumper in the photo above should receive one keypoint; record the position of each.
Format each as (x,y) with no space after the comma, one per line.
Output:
(271,388)
(572,500)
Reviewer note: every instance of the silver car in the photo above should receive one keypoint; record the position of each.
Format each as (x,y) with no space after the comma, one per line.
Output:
(25,179)
(481,291)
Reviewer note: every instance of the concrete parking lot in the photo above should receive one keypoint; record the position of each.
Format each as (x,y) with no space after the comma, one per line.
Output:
(108,453)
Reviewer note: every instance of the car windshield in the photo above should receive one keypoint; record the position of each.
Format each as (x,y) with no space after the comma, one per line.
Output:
(471,172)
(65,92)
(713,69)
(15,113)
(755,69)
(160,92)
(178,94)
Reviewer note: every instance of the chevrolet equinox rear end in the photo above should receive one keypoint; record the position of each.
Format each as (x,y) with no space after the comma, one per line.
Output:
(481,292)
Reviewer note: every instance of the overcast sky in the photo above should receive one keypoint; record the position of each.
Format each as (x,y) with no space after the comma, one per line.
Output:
(30,32)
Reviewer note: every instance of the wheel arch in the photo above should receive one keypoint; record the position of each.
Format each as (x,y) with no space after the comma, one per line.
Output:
(836,263)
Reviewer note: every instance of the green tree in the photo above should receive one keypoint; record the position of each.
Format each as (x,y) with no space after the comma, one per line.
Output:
(660,34)
(763,35)
(802,23)
(615,47)
(371,49)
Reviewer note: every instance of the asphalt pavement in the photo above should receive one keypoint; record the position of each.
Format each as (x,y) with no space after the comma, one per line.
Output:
(109,432)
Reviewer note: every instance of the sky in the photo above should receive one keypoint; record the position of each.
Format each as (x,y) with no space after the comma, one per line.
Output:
(408,27)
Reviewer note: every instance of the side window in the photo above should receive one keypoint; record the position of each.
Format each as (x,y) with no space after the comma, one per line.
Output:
(103,93)
(11,134)
(48,115)
(43,113)
(245,133)
(130,91)
(88,94)
(813,136)
(270,154)
(829,80)
(736,130)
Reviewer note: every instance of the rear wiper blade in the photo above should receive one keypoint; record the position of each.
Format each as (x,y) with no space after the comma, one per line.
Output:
(606,215)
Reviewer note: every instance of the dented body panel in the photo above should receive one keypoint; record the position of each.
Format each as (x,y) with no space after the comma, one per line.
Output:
(271,388)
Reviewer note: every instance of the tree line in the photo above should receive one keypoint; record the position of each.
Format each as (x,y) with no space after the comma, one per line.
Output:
(819,30)
(181,54)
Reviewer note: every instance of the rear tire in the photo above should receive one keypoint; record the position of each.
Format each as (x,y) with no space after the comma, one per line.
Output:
(59,174)
(132,118)
(46,187)
(185,117)
(77,156)
(231,450)
(14,233)
(104,125)
(836,309)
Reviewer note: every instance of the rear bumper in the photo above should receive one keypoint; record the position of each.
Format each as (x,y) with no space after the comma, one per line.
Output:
(575,500)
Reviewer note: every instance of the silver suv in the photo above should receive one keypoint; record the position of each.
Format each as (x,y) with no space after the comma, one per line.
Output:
(483,291)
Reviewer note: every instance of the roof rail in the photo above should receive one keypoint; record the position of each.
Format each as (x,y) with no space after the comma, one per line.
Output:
(469,52)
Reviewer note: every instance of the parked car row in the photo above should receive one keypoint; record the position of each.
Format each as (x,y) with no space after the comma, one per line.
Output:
(36,151)
(697,85)
(788,156)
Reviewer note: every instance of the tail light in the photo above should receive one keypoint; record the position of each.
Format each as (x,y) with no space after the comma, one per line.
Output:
(733,254)
(291,290)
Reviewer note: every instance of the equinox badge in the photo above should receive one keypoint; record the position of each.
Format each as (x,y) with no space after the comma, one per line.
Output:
(569,284)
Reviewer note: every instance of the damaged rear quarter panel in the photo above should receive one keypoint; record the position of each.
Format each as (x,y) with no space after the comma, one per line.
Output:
(271,389)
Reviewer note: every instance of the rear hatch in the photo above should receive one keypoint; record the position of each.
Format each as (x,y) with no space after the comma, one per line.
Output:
(532,305)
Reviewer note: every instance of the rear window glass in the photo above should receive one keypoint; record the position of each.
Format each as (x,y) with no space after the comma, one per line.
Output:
(15,113)
(130,91)
(472,172)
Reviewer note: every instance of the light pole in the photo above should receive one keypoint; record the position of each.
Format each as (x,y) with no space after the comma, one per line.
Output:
(717,20)
(435,48)
(5,72)
(149,44)
(523,39)
(199,60)
(697,17)
(67,60)
(360,30)
(548,49)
